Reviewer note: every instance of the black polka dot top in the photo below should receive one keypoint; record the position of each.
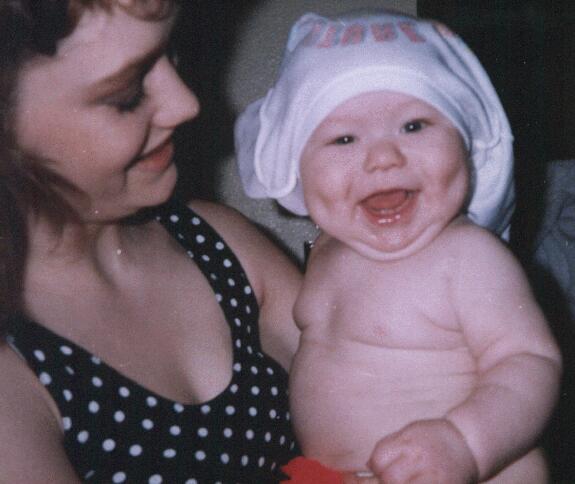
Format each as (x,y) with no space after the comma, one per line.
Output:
(115,431)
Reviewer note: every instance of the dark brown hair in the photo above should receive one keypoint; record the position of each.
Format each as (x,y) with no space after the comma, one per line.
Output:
(30,28)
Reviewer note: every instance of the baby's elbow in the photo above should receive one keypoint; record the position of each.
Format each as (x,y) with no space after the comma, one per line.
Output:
(551,354)
(535,373)
(549,368)
(545,352)
(555,361)
(550,359)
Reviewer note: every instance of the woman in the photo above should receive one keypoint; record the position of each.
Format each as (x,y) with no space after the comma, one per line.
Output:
(121,365)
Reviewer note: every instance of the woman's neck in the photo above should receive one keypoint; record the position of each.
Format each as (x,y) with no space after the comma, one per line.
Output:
(104,249)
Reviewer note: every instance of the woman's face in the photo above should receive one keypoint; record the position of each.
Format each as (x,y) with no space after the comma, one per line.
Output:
(102,112)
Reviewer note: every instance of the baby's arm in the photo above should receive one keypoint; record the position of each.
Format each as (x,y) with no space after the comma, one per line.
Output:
(519,369)
(518,361)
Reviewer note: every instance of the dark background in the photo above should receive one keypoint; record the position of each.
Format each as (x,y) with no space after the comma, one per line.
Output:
(205,39)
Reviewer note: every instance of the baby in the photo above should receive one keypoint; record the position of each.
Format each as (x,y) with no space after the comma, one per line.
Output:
(423,356)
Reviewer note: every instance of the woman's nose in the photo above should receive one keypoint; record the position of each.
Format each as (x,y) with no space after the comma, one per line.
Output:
(383,155)
(174,101)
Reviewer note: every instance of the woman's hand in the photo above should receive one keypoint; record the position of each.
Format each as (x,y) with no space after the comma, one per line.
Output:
(425,452)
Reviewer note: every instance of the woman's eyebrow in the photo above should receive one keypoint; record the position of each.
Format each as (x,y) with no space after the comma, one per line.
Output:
(131,70)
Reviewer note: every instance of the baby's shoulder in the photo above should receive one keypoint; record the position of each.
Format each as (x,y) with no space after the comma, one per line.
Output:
(464,237)
(478,254)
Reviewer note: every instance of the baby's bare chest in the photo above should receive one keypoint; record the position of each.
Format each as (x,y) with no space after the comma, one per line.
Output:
(399,305)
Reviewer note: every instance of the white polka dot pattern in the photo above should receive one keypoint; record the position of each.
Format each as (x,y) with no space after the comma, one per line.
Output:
(117,431)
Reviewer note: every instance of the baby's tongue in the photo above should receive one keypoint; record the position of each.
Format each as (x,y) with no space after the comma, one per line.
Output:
(386,201)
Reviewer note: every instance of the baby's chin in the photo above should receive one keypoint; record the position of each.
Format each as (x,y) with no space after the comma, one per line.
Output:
(391,251)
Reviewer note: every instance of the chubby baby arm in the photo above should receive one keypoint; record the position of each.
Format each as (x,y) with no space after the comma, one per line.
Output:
(518,372)
(518,361)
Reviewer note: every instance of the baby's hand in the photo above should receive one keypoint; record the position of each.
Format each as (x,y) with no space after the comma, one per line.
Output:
(359,478)
(426,451)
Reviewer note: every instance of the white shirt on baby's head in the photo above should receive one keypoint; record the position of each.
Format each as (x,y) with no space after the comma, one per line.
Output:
(329,61)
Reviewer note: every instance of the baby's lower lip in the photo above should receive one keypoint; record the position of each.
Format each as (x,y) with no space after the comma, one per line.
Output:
(157,160)
(389,207)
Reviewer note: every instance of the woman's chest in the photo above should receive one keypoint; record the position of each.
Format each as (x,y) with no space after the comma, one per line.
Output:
(162,331)
(116,426)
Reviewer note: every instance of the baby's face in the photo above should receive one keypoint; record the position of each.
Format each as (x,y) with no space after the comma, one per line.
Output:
(384,173)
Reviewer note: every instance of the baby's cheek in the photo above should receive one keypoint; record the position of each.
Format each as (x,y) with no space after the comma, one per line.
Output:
(456,182)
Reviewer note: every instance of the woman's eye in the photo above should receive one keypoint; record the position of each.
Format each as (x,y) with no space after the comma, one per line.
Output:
(130,103)
(413,126)
(173,56)
(343,140)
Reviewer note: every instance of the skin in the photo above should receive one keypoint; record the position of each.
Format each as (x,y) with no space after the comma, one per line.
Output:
(366,147)
(118,289)
(115,106)
(420,322)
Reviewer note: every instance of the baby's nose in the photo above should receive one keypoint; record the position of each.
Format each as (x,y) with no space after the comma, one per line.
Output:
(383,155)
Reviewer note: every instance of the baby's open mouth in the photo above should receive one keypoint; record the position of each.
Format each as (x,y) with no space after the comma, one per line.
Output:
(388,206)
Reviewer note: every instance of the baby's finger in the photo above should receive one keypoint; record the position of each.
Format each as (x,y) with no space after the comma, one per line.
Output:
(390,462)
(385,455)
(360,478)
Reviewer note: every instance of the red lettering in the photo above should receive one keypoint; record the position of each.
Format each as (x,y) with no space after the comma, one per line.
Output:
(354,34)
(331,37)
(444,30)
(383,32)
(409,29)
(314,34)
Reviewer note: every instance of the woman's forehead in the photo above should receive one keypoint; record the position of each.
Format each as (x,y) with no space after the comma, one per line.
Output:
(100,28)
(106,49)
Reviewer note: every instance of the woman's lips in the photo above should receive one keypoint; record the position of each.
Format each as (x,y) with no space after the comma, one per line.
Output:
(390,206)
(158,159)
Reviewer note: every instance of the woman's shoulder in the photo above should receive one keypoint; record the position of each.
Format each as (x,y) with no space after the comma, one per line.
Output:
(246,240)
(273,276)
(223,218)
(256,251)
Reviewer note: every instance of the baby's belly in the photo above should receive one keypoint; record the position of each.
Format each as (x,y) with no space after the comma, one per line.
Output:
(346,397)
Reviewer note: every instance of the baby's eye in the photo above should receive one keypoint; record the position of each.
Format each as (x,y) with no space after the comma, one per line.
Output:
(414,126)
(343,140)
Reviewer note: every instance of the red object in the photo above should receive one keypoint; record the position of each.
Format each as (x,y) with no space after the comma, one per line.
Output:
(308,471)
